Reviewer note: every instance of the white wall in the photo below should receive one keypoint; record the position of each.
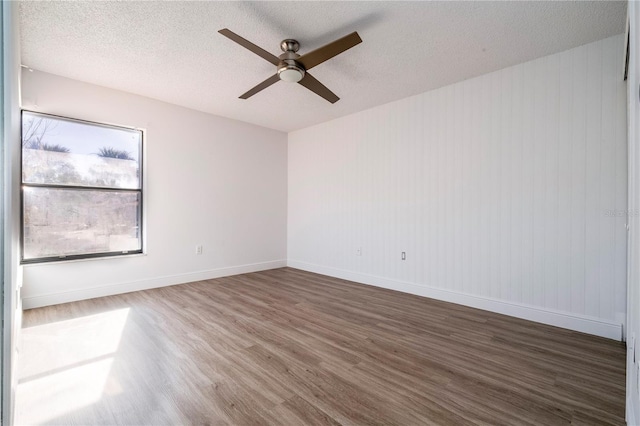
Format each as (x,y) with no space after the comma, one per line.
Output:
(507,192)
(209,181)
(633,286)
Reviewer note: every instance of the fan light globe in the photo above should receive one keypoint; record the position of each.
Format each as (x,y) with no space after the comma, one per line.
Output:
(290,75)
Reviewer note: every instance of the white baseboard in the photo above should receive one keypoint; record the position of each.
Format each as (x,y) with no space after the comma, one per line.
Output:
(584,324)
(146,284)
(596,326)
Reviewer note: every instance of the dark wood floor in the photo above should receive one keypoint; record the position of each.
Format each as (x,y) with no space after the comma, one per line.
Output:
(286,347)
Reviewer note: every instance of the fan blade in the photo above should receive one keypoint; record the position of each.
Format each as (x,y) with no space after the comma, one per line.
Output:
(268,82)
(248,45)
(328,51)
(318,88)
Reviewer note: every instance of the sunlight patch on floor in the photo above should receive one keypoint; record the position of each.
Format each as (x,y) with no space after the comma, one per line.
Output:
(65,365)
(57,394)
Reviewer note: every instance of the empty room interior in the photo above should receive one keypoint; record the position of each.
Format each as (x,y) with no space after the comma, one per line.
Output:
(320,213)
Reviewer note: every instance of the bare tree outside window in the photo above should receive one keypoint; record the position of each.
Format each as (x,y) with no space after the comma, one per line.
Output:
(82,191)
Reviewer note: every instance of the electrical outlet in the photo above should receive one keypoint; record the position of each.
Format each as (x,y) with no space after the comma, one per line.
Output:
(198,249)
(359,251)
(404,255)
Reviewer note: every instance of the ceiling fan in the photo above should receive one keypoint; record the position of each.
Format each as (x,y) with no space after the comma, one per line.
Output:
(294,68)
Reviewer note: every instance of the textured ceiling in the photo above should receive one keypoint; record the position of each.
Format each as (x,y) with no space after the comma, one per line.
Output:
(171,51)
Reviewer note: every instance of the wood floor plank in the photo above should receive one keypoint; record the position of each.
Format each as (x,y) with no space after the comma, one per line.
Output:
(298,411)
(288,347)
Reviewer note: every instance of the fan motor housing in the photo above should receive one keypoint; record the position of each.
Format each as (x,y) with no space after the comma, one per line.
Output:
(289,69)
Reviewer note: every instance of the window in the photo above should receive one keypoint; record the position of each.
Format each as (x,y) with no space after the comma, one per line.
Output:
(81,189)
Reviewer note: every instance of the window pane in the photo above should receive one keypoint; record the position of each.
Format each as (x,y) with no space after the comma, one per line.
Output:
(62,222)
(64,152)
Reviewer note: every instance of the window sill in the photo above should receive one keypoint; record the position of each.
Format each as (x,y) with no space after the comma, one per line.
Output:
(86,259)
